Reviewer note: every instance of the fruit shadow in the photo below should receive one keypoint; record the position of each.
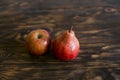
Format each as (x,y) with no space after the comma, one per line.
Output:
(48,56)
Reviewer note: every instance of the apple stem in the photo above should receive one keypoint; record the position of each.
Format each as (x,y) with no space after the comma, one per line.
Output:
(71,28)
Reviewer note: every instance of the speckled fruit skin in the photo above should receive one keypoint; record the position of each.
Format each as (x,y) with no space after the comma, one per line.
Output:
(38,42)
(66,46)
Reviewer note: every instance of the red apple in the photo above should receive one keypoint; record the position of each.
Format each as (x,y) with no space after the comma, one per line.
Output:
(65,45)
(38,42)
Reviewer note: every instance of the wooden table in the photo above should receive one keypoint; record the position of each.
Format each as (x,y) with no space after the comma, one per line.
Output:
(96,24)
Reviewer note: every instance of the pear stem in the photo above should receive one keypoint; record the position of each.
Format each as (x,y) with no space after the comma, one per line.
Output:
(71,28)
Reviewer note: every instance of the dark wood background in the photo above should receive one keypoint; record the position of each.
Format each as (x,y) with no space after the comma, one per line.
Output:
(96,24)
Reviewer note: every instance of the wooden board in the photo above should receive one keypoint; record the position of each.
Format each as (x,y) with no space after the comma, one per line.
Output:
(96,24)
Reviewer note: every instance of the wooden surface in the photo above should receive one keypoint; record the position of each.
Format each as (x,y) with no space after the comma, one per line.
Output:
(96,24)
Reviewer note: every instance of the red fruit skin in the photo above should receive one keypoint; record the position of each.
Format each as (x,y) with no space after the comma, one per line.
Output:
(66,46)
(38,46)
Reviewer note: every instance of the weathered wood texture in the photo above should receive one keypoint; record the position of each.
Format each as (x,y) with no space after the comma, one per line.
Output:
(97,26)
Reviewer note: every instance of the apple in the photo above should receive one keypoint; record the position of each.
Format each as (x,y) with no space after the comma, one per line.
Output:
(38,42)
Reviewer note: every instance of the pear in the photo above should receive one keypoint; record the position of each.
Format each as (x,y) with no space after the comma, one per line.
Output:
(66,45)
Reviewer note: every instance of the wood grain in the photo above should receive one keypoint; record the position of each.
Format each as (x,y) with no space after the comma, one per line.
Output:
(96,24)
